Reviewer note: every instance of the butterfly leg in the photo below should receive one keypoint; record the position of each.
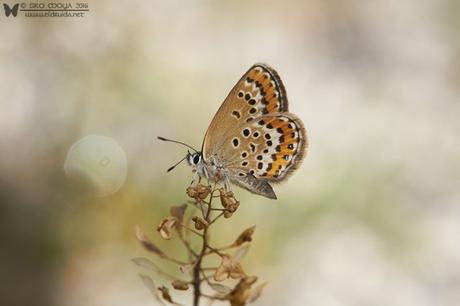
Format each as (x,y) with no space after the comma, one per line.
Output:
(227,183)
(196,177)
(206,175)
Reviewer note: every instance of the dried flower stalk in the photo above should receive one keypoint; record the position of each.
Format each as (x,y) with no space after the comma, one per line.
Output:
(199,224)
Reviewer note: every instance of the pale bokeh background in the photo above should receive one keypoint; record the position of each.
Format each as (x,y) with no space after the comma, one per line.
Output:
(371,218)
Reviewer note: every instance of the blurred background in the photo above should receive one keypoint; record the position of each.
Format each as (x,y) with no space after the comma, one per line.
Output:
(371,218)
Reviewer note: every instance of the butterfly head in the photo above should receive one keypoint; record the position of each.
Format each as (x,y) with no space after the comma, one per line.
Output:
(194,159)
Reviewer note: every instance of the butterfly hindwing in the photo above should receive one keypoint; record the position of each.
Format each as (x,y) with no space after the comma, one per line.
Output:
(270,147)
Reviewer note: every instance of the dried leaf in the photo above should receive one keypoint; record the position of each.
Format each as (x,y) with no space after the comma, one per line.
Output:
(146,264)
(256,293)
(228,268)
(241,252)
(220,288)
(245,236)
(165,294)
(240,294)
(165,227)
(148,282)
(178,212)
(148,245)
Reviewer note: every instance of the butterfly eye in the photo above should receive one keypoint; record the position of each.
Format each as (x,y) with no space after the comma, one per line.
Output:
(196,159)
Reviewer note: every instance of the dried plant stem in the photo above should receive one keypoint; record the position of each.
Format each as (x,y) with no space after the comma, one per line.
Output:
(216,218)
(198,225)
(197,269)
(191,230)
(179,262)
(197,280)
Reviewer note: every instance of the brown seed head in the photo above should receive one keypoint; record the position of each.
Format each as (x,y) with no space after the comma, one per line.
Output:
(232,207)
(179,285)
(245,236)
(229,202)
(228,268)
(165,227)
(200,223)
(242,294)
(198,192)
(226,197)
(165,294)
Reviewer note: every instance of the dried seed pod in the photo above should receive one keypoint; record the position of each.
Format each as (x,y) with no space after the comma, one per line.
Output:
(228,268)
(198,192)
(179,285)
(242,293)
(229,202)
(245,236)
(200,223)
(165,227)
(192,192)
(226,198)
(227,214)
(165,294)
(232,207)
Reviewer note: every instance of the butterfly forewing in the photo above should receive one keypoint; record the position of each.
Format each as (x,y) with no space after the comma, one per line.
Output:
(257,93)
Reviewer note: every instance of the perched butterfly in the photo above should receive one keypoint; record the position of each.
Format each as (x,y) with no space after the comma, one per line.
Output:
(253,140)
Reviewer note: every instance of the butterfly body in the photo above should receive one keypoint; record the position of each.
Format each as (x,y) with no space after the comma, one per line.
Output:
(210,170)
(252,141)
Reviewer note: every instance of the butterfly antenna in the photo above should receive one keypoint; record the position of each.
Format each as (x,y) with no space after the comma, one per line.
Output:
(179,142)
(174,166)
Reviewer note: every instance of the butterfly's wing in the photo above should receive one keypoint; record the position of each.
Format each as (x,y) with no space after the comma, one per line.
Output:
(271,148)
(258,92)
(7,9)
(253,136)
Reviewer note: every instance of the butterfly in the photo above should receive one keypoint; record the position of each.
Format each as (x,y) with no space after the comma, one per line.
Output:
(9,11)
(253,141)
